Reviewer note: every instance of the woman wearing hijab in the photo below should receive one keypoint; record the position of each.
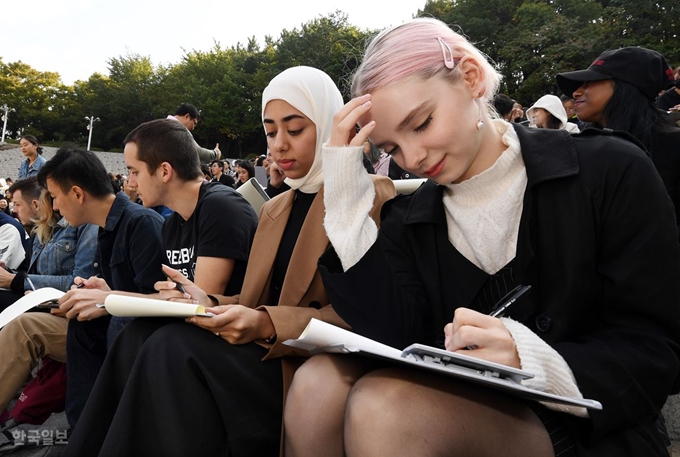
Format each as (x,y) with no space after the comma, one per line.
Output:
(223,369)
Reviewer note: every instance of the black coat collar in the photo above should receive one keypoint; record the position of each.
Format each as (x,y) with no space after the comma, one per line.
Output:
(547,154)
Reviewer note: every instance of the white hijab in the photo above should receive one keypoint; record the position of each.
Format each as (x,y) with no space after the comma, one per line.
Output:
(314,94)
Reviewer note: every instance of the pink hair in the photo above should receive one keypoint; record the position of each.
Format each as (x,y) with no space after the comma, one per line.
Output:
(414,48)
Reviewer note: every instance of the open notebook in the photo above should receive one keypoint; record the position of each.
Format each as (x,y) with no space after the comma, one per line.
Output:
(320,336)
(116,305)
(45,296)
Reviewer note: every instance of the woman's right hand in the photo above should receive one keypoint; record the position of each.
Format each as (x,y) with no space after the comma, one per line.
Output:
(276,175)
(345,121)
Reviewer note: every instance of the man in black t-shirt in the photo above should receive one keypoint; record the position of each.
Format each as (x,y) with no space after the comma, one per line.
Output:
(208,236)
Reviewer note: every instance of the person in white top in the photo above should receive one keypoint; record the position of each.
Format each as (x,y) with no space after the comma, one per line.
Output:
(548,113)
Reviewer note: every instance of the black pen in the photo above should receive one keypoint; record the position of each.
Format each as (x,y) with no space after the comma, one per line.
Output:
(178,286)
(507,301)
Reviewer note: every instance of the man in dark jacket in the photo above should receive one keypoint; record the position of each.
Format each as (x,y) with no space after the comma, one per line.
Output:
(129,258)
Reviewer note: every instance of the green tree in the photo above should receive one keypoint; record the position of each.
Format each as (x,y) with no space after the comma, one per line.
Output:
(649,23)
(546,39)
(328,43)
(531,41)
(32,94)
(220,83)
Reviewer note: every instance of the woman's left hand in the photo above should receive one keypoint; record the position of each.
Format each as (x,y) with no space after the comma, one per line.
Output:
(478,335)
(237,324)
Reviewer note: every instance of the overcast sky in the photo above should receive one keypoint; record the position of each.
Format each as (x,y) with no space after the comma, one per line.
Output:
(76,37)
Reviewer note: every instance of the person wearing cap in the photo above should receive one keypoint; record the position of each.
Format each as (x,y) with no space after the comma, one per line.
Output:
(618,92)
(549,113)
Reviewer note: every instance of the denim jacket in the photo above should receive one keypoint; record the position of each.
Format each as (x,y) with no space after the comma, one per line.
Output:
(69,253)
(26,172)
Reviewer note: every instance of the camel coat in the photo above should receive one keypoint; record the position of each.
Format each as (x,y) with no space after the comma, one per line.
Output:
(302,296)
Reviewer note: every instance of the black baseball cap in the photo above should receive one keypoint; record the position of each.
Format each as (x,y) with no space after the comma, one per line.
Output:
(643,68)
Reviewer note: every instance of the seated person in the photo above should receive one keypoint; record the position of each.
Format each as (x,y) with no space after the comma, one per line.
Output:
(60,253)
(128,255)
(232,360)
(583,219)
(208,236)
(244,171)
(549,113)
(218,174)
(14,243)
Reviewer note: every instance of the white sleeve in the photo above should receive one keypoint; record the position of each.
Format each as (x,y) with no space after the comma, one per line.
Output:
(551,372)
(348,197)
(11,246)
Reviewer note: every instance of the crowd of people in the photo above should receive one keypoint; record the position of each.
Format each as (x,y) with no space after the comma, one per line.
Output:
(576,198)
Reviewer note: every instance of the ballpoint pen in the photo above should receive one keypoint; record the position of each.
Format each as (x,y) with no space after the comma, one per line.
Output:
(178,286)
(508,300)
(504,303)
(30,283)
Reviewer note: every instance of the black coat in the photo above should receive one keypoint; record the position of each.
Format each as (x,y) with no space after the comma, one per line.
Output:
(598,243)
(665,151)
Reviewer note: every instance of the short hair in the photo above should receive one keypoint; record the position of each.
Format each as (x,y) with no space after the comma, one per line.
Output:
(30,188)
(566,98)
(503,104)
(71,166)
(34,141)
(188,108)
(220,163)
(165,140)
(418,47)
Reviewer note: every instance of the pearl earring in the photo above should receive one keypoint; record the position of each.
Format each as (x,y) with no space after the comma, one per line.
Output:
(480,124)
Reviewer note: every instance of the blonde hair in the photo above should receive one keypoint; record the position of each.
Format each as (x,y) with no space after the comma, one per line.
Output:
(420,47)
(46,220)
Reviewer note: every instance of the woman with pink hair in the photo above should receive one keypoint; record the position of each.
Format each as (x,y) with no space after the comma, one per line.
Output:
(583,220)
